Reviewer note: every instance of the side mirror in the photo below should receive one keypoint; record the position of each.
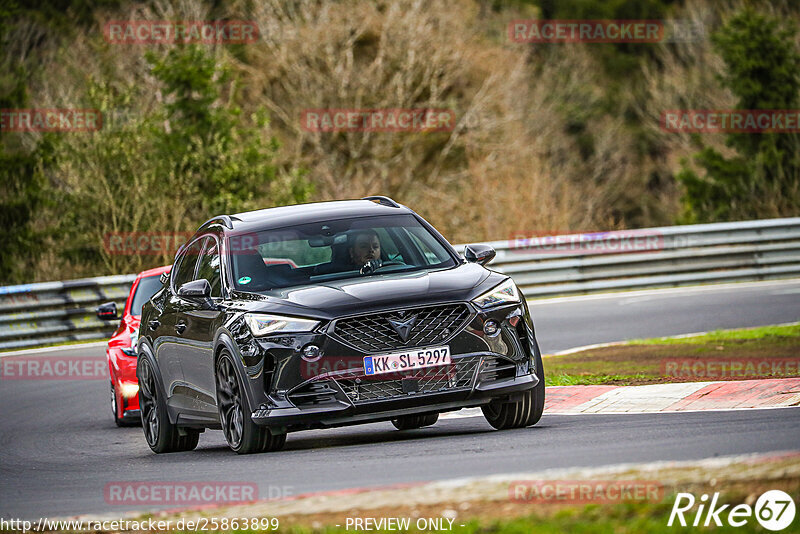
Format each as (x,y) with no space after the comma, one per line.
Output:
(196,289)
(480,254)
(107,311)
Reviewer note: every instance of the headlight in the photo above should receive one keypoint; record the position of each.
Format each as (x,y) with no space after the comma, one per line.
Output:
(504,293)
(262,324)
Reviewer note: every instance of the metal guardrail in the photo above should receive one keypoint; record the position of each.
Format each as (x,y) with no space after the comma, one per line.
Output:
(664,257)
(53,312)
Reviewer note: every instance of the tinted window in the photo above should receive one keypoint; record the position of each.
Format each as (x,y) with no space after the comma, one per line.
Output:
(208,267)
(185,269)
(147,287)
(294,252)
(427,245)
(332,250)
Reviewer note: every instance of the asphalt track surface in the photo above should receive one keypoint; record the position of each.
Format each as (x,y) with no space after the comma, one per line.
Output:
(59,447)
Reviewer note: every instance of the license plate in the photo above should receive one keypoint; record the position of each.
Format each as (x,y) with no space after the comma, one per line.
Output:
(406,360)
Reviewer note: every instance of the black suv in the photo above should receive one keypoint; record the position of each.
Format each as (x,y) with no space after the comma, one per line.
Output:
(330,314)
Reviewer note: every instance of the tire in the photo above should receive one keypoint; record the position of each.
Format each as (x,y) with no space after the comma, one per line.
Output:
(119,421)
(409,422)
(161,435)
(241,433)
(521,413)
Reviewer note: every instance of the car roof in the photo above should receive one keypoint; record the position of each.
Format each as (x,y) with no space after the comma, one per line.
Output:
(310,213)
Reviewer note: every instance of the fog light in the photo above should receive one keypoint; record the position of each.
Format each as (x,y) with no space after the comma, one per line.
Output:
(129,390)
(491,328)
(311,353)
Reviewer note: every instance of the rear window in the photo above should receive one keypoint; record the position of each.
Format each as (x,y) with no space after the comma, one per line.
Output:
(333,250)
(148,286)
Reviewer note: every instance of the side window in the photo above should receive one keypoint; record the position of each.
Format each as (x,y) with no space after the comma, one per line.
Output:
(427,245)
(184,271)
(208,267)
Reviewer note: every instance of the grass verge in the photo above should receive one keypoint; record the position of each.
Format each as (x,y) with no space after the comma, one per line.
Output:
(742,354)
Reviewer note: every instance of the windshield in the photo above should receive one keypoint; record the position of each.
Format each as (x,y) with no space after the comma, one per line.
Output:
(147,288)
(333,250)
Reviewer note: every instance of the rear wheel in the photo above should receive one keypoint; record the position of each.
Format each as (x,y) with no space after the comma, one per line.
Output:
(520,413)
(241,433)
(161,435)
(408,422)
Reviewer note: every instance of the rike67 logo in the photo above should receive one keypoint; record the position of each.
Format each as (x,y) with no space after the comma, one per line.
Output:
(774,510)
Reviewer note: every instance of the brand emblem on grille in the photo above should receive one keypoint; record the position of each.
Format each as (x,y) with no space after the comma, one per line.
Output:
(403,327)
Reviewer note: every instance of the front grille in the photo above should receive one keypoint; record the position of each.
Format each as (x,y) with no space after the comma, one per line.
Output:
(431,325)
(457,375)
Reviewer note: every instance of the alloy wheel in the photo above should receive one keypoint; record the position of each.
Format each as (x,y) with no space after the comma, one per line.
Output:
(148,403)
(230,403)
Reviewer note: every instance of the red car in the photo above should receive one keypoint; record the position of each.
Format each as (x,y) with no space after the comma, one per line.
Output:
(121,350)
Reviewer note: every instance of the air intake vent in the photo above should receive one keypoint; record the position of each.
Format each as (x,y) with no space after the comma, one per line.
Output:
(313,393)
(497,369)
(458,375)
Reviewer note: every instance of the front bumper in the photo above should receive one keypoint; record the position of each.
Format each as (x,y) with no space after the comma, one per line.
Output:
(132,414)
(291,394)
(123,373)
(342,410)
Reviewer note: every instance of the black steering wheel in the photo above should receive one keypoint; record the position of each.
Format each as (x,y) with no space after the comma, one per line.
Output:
(374,265)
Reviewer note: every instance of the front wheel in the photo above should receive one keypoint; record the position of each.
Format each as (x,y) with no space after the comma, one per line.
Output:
(524,412)
(241,433)
(161,435)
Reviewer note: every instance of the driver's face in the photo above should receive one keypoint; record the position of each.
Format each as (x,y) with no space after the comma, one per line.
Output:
(367,247)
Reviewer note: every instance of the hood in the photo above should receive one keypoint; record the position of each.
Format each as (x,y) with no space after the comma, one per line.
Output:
(359,295)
